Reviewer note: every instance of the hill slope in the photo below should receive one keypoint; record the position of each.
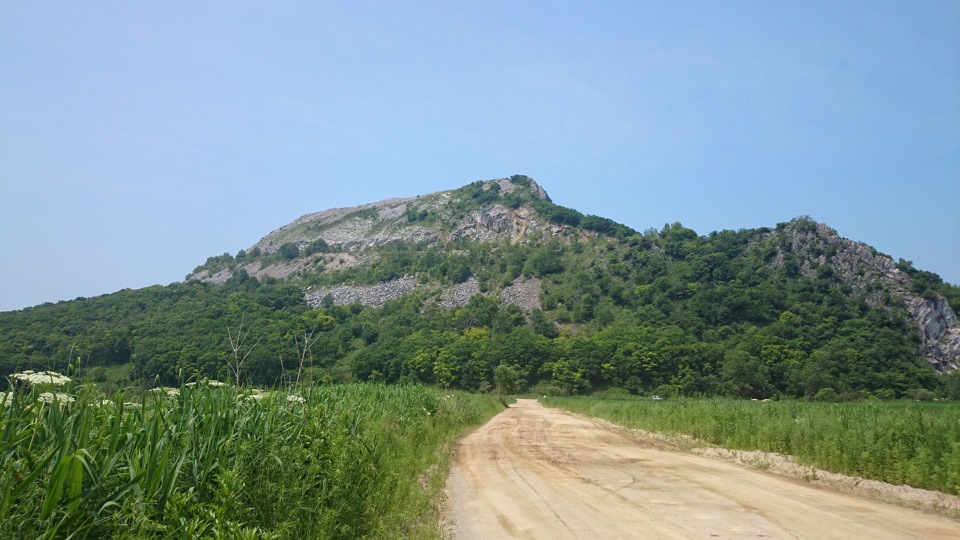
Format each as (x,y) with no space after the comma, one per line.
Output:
(448,287)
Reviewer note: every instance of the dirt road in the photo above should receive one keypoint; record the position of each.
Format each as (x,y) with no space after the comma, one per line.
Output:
(534,472)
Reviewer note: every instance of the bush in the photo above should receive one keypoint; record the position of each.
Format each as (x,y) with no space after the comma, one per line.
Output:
(666,390)
(921,394)
(97,374)
(550,390)
(317,246)
(288,251)
(612,393)
(826,394)
(885,394)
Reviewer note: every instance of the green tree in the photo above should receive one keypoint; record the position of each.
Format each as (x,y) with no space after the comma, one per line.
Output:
(745,375)
(506,380)
(288,251)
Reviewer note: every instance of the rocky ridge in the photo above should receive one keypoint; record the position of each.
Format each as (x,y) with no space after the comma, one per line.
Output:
(349,231)
(388,221)
(875,276)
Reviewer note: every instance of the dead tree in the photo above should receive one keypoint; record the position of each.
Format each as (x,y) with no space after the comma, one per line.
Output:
(236,345)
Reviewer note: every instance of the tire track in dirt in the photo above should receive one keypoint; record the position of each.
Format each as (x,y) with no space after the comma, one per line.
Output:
(534,472)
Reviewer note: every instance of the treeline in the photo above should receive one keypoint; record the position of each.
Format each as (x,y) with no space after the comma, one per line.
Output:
(165,332)
(666,312)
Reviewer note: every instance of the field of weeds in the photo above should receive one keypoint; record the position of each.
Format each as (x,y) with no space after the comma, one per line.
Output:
(207,460)
(912,443)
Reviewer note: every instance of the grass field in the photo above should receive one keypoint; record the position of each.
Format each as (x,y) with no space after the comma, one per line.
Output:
(898,442)
(209,461)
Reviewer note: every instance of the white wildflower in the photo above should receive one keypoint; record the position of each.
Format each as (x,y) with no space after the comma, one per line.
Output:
(6,399)
(172,392)
(50,397)
(215,384)
(295,399)
(43,377)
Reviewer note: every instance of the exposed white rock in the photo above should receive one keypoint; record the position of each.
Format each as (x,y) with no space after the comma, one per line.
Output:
(523,293)
(460,294)
(366,295)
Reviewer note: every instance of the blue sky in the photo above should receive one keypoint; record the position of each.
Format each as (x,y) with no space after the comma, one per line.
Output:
(136,140)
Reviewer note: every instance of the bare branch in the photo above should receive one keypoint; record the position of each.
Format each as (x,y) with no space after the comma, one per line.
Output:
(236,343)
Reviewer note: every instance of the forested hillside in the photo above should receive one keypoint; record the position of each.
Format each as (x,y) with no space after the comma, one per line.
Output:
(760,313)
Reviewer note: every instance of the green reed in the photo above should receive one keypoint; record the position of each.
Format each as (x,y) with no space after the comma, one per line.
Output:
(917,444)
(211,462)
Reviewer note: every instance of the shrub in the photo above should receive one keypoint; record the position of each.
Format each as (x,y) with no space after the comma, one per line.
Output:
(921,394)
(288,251)
(826,394)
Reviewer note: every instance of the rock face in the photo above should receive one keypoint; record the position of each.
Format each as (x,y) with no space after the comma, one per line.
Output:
(349,229)
(384,222)
(498,222)
(874,275)
(939,332)
(367,295)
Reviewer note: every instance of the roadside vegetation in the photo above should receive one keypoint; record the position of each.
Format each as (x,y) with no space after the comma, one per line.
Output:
(899,442)
(209,460)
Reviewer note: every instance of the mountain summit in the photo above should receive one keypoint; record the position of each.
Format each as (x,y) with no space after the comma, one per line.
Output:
(511,209)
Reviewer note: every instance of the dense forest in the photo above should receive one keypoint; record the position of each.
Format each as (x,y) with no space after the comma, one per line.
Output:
(664,311)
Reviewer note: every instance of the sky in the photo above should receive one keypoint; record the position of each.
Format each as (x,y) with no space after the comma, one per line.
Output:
(137,140)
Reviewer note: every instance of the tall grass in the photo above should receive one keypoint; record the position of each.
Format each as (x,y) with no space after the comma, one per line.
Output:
(323,462)
(901,443)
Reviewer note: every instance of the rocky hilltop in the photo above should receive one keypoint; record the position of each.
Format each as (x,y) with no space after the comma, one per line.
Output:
(423,218)
(441,217)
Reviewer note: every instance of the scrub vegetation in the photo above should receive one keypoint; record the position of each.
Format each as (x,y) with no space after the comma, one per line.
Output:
(902,442)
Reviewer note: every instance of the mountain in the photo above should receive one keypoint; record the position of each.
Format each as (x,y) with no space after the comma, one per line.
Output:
(518,210)
(444,288)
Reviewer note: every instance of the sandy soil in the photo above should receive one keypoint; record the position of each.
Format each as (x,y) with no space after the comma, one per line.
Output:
(534,472)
